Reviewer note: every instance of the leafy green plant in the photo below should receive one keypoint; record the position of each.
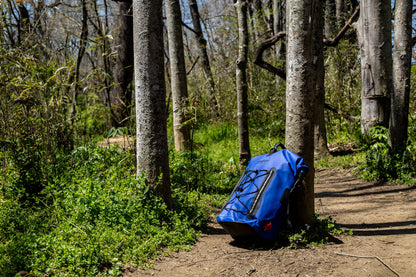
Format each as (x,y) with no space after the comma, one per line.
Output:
(33,110)
(380,164)
(93,217)
(317,234)
(196,171)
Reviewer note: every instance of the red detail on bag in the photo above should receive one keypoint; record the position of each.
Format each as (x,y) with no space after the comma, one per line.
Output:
(267,227)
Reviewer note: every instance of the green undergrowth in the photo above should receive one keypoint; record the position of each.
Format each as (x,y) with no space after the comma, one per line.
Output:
(381,164)
(322,231)
(93,217)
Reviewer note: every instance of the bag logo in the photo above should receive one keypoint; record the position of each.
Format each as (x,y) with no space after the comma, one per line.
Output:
(268,226)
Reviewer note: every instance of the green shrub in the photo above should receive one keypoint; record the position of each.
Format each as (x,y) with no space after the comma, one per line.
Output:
(93,217)
(319,233)
(196,171)
(380,164)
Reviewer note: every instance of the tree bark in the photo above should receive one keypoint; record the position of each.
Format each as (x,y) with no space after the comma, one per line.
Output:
(402,63)
(330,18)
(320,139)
(124,70)
(374,34)
(279,25)
(258,59)
(203,55)
(241,79)
(300,94)
(152,148)
(178,74)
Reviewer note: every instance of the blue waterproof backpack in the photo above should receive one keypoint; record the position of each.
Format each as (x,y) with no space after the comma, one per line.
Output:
(260,199)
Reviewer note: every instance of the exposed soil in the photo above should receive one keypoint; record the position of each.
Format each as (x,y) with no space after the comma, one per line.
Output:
(381,215)
(122,141)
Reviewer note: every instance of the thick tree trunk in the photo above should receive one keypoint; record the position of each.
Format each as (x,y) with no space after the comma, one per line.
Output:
(203,56)
(152,148)
(300,92)
(178,74)
(123,74)
(374,34)
(241,77)
(402,63)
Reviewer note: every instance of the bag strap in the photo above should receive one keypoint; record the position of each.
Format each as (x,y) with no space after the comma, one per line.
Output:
(274,148)
(287,197)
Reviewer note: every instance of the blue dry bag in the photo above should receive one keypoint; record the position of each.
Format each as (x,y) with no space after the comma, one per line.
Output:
(259,201)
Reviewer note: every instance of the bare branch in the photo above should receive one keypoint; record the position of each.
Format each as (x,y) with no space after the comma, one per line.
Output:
(192,66)
(341,113)
(258,60)
(189,28)
(341,33)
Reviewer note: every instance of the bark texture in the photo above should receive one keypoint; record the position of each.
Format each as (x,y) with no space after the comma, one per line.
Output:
(402,62)
(152,149)
(320,139)
(241,79)
(300,92)
(178,74)
(374,34)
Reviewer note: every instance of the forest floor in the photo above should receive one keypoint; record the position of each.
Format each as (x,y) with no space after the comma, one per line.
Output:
(381,215)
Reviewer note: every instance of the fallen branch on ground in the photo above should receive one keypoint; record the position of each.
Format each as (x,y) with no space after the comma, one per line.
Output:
(369,257)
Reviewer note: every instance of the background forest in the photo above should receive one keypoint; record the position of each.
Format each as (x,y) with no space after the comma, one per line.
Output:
(70,204)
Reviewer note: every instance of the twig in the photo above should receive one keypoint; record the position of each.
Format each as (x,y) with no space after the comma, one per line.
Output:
(192,66)
(369,257)
(251,271)
(341,113)
(336,40)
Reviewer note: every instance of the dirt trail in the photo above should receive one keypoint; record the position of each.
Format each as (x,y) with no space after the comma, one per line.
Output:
(382,217)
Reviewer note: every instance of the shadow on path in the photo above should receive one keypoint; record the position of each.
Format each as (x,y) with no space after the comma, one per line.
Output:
(383,229)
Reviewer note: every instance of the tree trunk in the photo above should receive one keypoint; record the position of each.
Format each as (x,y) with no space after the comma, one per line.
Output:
(23,23)
(320,140)
(330,19)
(152,148)
(374,34)
(203,55)
(74,76)
(279,16)
(341,7)
(279,25)
(402,63)
(123,74)
(300,92)
(241,78)
(178,74)
(259,22)
(102,29)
